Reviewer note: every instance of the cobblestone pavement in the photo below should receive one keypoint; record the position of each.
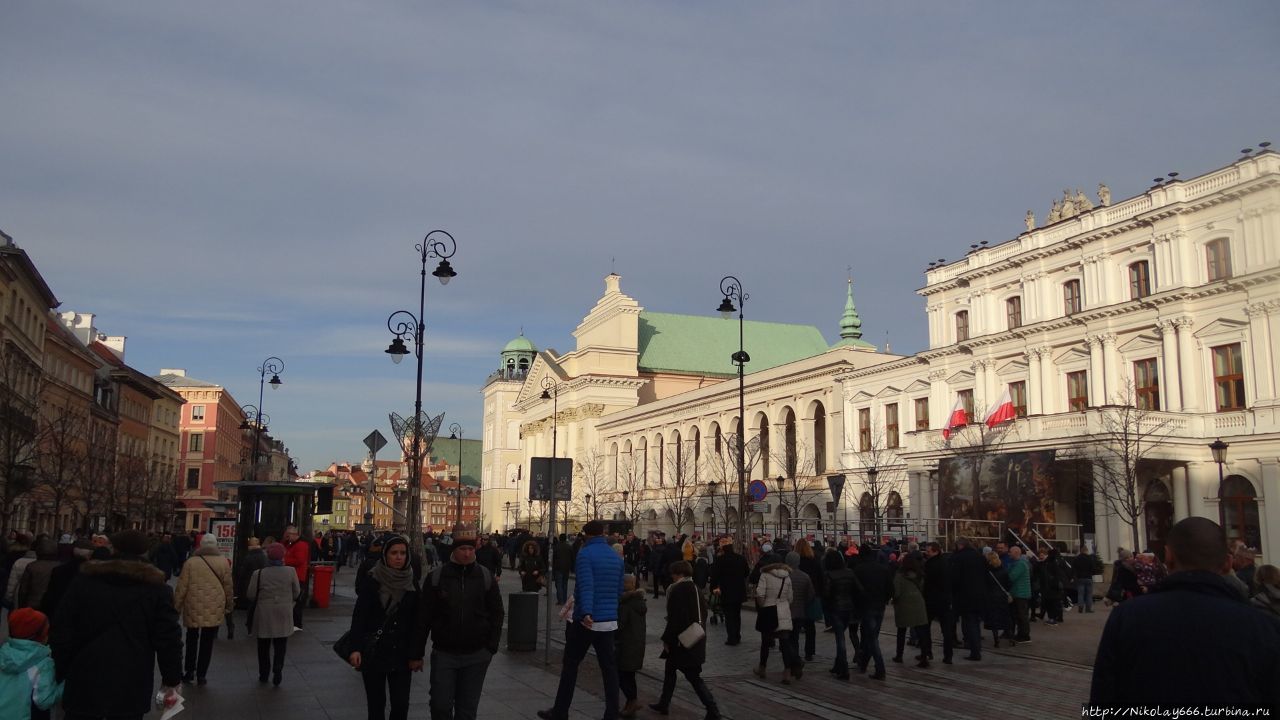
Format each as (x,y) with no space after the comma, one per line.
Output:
(1047,678)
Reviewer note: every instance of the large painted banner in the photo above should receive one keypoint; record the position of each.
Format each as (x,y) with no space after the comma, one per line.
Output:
(1015,488)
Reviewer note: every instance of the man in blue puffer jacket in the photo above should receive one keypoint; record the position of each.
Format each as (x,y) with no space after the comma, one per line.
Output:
(595,620)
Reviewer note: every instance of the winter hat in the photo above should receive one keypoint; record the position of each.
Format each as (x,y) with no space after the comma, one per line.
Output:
(275,551)
(464,534)
(29,624)
(208,541)
(793,559)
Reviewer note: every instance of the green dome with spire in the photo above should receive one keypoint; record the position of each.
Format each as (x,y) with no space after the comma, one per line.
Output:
(851,325)
(520,344)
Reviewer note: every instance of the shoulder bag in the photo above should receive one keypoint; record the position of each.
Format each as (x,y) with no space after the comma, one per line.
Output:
(695,633)
(767,615)
(1007,596)
(253,606)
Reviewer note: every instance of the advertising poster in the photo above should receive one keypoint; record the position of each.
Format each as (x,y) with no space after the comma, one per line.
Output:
(224,530)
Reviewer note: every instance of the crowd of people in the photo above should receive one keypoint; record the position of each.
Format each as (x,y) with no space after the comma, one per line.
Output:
(91,618)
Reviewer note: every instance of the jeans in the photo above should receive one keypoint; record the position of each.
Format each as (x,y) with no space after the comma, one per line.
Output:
(971,629)
(694,676)
(1084,594)
(810,635)
(733,621)
(919,633)
(377,685)
(577,640)
(265,663)
(200,650)
(871,620)
(947,624)
(839,623)
(562,587)
(1021,620)
(456,683)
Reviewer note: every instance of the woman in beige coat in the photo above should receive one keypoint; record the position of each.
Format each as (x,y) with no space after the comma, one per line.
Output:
(273,589)
(204,598)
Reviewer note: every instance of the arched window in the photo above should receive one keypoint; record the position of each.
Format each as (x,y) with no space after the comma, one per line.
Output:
(819,439)
(866,516)
(677,459)
(524,365)
(719,438)
(697,453)
(764,446)
(962,326)
(1238,509)
(659,448)
(893,511)
(790,456)
(643,449)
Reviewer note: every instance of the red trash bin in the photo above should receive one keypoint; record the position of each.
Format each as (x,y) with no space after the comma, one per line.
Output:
(323,582)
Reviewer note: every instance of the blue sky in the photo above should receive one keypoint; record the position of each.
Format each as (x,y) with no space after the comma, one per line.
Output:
(225,181)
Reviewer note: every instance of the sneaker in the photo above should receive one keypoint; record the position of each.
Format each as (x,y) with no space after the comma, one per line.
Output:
(297,629)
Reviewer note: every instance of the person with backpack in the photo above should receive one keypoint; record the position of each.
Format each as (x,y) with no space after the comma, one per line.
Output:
(387,610)
(461,612)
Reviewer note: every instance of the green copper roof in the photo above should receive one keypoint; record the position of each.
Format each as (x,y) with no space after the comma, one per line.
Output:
(520,344)
(702,345)
(851,325)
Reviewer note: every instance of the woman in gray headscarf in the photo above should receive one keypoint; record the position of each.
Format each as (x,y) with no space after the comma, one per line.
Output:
(386,603)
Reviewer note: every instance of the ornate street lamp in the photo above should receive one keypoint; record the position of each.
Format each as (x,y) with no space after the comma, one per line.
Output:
(551,391)
(1219,450)
(274,366)
(731,288)
(872,474)
(404,324)
(455,433)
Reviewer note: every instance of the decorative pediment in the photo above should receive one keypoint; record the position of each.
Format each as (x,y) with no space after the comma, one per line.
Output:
(889,392)
(961,378)
(1074,356)
(1141,343)
(860,396)
(1012,368)
(541,368)
(1221,326)
(918,386)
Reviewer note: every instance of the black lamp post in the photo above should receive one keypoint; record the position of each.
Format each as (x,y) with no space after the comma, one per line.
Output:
(455,433)
(274,366)
(257,421)
(626,508)
(551,391)
(506,512)
(731,288)
(1219,450)
(404,324)
(782,501)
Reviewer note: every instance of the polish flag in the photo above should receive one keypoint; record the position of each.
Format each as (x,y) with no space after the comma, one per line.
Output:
(1003,411)
(956,420)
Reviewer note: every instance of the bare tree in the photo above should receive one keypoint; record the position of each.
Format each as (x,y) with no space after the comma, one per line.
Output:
(680,488)
(805,485)
(591,482)
(882,475)
(1119,451)
(630,488)
(970,452)
(96,485)
(63,458)
(20,386)
(721,468)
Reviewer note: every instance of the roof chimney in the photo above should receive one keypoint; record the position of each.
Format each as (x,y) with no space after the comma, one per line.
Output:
(180,372)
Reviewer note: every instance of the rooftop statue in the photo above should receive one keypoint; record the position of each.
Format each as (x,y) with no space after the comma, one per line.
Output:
(1030,220)
(1104,195)
(1055,214)
(1068,205)
(1082,203)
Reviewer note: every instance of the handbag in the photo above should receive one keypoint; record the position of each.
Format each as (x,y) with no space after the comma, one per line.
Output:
(1007,596)
(350,642)
(695,633)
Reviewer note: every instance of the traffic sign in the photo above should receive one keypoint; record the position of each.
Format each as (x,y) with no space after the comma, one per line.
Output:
(757,491)
(375,442)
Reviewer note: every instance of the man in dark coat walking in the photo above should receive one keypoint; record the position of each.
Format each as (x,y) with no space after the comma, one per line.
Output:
(729,580)
(1192,640)
(116,622)
(968,575)
(937,599)
(684,608)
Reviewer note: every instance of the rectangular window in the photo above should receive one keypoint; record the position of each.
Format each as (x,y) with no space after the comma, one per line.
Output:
(1228,377)
(197,413)
(864,429)
(1018,393)
(1218,258)
(195,442)
(1146,384)
(1071,297)
(891,425)
(962,326)
(966,401)
(1139,280)
(193,478)
(1077,390)
(922,413)
(1013,310)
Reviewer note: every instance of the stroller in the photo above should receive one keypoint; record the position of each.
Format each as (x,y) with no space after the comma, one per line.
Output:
(715,611)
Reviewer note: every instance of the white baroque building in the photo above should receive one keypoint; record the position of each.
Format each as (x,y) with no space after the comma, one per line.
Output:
(1167,303)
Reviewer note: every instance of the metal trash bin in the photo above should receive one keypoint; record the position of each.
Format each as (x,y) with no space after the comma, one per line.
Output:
(522,621)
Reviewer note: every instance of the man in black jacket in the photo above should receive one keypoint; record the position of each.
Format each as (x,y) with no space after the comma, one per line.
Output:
(1192,640)
(876,585)
(937,599)
(561,566)
(968,576)
(729,581)
(462,613)
(114,625)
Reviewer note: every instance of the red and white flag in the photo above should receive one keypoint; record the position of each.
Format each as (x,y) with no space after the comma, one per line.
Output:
(956,420)
(1003,411)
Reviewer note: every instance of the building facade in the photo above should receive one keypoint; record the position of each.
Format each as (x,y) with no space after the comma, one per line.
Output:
(214,447)
(1127,336)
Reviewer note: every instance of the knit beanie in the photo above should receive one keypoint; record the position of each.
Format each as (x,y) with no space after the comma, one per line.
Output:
(793,559)
(29,624)
(275,551)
